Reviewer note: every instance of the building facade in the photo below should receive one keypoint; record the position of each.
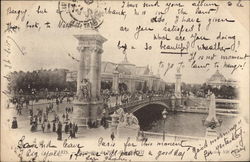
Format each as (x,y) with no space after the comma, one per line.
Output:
(217,80)
(126,76)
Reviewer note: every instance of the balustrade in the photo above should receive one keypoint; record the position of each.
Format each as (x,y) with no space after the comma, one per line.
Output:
(138,102)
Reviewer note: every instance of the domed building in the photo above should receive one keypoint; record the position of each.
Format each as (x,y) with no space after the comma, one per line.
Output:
(217,80)
(126,76)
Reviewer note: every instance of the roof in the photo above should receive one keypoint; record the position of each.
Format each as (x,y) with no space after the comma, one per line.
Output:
(217,77)
(125,61)
(142,70)
(109,67)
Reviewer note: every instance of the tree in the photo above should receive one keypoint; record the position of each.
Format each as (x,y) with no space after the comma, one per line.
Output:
(39,80)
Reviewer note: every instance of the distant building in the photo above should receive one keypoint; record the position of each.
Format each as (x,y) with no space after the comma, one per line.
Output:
(217,80)
(126,74)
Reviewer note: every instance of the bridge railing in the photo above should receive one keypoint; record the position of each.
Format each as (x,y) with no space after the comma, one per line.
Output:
(170,136)
(138,102)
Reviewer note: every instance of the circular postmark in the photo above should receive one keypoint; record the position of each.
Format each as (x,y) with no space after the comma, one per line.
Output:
(76,14)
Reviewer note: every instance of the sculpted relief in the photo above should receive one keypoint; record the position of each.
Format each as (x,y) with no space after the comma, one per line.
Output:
(85,91)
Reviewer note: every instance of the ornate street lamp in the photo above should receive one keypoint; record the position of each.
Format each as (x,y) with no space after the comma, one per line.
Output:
(164,115)
(116,98)
(57,94)
(33,97)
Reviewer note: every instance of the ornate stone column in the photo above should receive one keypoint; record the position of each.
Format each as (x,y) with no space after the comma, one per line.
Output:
(131,84)
(150,83)
(158,84)
(178,88)
(178,85)
(87,105)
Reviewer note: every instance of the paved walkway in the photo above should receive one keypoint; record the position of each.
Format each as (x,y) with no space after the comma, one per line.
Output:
(24,122)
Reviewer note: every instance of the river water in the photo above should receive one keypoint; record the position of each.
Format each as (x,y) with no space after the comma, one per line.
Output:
(189,124)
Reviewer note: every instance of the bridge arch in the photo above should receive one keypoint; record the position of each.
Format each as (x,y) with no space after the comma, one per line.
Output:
(149,113)
(150,103)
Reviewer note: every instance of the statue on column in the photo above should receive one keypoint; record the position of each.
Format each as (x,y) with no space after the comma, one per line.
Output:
(85,90)
(178,69)
(116,67)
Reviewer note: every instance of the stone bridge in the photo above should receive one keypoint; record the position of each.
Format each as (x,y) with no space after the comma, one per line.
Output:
(149,110)
(185,104)
(131,107)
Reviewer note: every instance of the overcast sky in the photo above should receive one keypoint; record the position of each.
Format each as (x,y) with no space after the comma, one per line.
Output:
(48,49)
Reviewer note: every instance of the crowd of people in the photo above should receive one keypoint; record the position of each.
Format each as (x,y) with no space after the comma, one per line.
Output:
(125,97)
(47,119)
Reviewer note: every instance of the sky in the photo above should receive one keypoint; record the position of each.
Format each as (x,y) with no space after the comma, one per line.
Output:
(49,48)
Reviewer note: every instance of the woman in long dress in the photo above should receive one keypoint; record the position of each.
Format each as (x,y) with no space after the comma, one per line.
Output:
(14,123)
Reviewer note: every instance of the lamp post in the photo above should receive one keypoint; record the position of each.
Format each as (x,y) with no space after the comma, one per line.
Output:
(116,98)
(164,115)
(33,97)
(57,94)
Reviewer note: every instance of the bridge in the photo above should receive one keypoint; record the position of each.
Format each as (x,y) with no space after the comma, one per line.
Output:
(147,110)
(150,109)
(186,104)
(133,106)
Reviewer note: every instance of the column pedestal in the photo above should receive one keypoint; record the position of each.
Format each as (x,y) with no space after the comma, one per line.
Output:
(85,113)
(95,112)
(211,133)
(80,115)
(87,105)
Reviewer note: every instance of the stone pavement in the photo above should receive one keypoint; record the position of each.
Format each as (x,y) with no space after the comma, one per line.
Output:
(24,123)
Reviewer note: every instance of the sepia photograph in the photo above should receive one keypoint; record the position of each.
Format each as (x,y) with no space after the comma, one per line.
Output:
(103,80)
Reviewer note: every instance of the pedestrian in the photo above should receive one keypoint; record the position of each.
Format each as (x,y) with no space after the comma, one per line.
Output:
(55,117)
(31,112)
(35,118)
(47,109)
(43,127)
(112,136)
(44,117)
(48,126)
(63,116)
(19,110)
(14,123)
(57,101)
(76,128)
(90,124)
(70,125)
(31,120)
(40,119)
(66,128)
(102,121)
(71,132)
(54,127)
(33,127)
(105,123)
(67,116)
(59,131)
